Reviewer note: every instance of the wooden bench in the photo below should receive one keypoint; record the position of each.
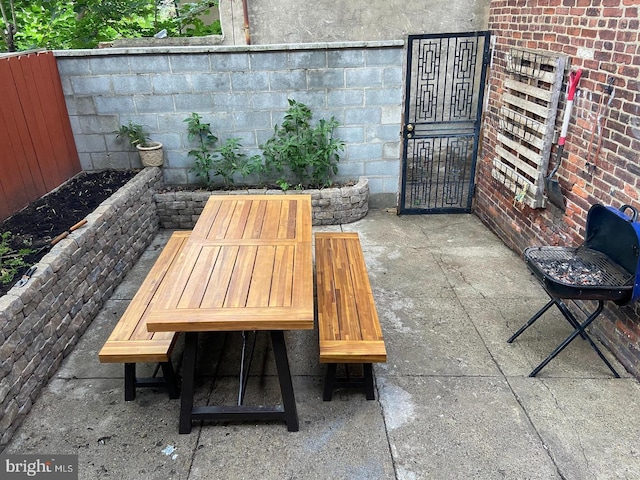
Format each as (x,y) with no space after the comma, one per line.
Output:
(348,325)
(131,343)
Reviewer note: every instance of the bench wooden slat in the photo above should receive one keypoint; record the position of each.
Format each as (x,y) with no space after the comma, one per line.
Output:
(349,327)
(130,341)
(360,351)
(154,350)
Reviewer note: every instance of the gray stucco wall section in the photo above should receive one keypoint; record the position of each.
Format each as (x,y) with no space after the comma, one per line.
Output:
(354,20)
(242,92)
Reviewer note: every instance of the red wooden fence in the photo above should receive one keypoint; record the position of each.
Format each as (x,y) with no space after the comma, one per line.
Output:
(37,150)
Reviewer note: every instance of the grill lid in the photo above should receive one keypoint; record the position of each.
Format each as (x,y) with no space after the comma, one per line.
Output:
(605,267)
(617,235)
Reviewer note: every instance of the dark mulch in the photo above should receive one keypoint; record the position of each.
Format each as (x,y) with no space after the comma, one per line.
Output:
(55,213)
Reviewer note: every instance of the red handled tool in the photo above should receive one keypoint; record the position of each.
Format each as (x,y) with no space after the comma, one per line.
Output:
(554,193)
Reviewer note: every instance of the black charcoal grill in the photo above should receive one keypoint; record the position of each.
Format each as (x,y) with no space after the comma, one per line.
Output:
(604,268)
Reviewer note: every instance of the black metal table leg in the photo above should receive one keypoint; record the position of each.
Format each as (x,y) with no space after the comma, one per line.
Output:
(129,382)
(188,378)
(284,377)
(329,380)
(287,412)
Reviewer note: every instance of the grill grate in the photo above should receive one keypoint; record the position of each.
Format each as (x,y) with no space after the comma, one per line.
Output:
(579,267)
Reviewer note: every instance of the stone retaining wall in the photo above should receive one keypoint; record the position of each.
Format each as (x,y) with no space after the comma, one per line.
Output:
(331,206)
(41,322)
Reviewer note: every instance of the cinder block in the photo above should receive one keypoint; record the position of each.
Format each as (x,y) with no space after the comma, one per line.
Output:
(383,96)
(345,58)
(91,85)
(113,105)
(363,77)
(190,63)
(250,81)
(132,84)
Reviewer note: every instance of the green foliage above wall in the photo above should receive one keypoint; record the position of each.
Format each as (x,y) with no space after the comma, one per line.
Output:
(68,24)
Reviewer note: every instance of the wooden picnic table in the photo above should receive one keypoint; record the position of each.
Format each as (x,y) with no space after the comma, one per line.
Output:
(246,266)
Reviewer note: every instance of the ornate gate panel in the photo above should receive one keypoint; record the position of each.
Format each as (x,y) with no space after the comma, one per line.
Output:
(445,81)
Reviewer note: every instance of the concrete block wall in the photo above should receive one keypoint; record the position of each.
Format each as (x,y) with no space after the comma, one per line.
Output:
(42,321)
(242,92)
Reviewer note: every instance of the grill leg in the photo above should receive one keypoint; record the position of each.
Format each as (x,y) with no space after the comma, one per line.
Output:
(580,330)
(532,320)
(569,316)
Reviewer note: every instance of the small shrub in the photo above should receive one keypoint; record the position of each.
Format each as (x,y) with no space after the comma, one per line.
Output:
(11,261)
(201,132)
(133,133)
(231,161)
(225,161)
(307,153)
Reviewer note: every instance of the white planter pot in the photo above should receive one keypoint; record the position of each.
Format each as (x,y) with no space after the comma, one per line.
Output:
(151,154)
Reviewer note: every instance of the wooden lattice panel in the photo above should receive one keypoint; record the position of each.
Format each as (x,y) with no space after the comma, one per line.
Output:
(527,118)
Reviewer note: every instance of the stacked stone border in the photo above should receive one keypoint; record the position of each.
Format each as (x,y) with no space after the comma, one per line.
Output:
(41,322)
(330,206)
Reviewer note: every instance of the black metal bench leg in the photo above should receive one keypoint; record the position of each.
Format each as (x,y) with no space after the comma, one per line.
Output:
(170,379)
(329,379)
(188,379)
(284,377)
(129,382)
(368,381)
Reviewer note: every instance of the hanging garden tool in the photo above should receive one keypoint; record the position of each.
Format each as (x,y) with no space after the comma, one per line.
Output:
(598,125)
(552,186)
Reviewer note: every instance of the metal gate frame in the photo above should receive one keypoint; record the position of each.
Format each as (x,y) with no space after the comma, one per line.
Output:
(440,134)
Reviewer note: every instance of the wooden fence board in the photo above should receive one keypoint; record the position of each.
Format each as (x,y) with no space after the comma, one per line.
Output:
(19,159)
(72,164)
(34,116)
(38,152)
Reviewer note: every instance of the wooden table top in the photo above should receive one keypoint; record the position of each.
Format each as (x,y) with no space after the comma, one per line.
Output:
(246,266)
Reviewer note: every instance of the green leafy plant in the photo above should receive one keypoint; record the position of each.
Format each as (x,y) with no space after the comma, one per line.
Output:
(206,141)
(225,161)
(11,261)
(307,153)
(230,161)
(65,24)
(133,133)
(190,24)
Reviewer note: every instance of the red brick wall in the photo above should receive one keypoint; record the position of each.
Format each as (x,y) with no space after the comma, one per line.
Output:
(602,38)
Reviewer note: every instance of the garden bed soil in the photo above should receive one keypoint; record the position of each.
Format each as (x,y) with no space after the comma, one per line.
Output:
(53,214)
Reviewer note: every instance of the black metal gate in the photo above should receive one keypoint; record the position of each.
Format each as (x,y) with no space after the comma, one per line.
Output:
(445,82)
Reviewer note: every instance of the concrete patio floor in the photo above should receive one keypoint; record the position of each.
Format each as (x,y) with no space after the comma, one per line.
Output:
(453,401)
